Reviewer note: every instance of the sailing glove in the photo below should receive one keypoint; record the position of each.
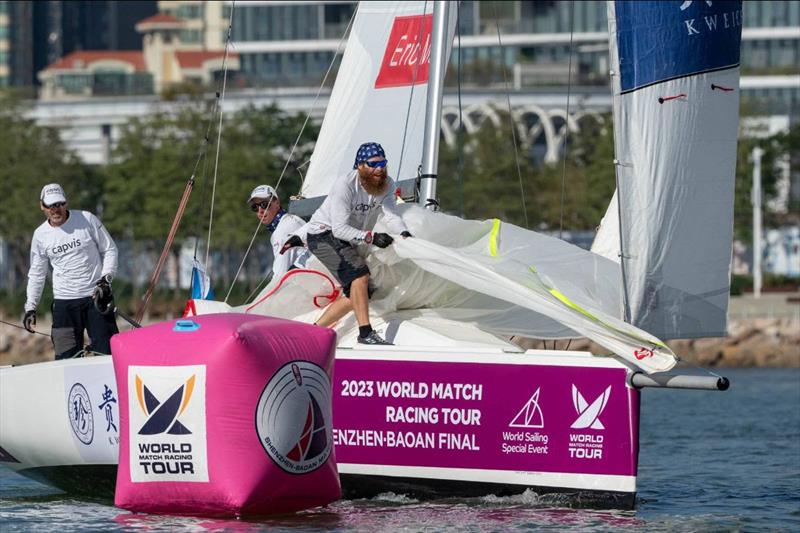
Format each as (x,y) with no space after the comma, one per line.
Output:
(292,242)
(382,240)
(29,320)
(102,292)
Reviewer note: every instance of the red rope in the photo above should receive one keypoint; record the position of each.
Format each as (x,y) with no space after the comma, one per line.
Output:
(721,88)
(663,99)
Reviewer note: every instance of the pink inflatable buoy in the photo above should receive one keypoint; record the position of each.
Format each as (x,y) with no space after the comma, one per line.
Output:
(225,415)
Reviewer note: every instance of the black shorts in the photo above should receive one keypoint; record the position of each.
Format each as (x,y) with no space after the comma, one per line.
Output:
(338,256)
(71,317)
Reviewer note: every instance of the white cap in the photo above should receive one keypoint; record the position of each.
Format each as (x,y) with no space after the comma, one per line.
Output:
(52,193)
(263,191)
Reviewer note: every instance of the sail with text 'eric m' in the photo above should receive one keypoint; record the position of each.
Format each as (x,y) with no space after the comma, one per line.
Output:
(676,110)
(383,79)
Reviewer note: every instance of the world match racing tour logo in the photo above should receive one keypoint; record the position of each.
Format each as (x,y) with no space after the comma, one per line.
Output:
(163,417)
(293,417)
(173,456)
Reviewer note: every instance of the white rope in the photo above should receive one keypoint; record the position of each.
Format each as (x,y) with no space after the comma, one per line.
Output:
(294,147)
(510,115)
(219,131)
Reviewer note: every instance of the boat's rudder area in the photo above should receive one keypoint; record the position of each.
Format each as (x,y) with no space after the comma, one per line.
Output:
(225,414)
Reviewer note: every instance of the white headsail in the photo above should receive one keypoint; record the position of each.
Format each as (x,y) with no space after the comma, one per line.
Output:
(382,81)
(676,111)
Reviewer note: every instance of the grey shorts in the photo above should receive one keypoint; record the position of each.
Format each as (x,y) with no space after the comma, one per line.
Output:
(338,256)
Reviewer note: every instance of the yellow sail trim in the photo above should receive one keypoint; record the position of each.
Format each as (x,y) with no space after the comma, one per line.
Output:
(493,237)
(572,305)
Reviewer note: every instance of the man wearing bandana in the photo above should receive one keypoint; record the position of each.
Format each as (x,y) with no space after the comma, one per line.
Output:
(344,220)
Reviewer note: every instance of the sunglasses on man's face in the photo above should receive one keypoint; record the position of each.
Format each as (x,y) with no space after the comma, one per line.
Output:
(377,164)
(262,204)
(57,205)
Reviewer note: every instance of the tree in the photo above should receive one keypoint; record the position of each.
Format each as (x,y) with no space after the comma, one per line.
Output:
(491,184)
(156,156)
(30,157)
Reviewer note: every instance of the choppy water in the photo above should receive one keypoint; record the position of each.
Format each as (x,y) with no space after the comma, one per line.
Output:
(709,461)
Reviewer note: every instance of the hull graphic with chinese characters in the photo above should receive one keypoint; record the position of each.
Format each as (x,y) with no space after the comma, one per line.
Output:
(423,421)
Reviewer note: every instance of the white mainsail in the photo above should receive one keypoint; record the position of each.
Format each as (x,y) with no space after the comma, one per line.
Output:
(676,113)
(382,80)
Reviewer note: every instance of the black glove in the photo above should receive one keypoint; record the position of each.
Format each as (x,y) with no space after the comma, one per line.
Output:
(29,320)
(382,240)
(406,234)
(293,241)
(102,292)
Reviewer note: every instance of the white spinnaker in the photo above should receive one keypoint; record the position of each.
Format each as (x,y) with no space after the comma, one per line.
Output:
(675,136)
(497,277)
(360,112)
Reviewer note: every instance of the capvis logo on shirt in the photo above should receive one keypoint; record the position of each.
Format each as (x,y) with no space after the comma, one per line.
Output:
(363,207)
(66,247)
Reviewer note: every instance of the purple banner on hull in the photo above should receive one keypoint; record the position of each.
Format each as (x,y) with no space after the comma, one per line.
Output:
(518,418)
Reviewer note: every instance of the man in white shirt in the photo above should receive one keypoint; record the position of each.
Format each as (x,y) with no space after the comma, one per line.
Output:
(266,204)
(83,257)
(345,220)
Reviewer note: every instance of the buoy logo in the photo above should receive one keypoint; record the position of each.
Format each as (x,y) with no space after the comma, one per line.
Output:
(589,415)
(293,417)
(167,438)
(530,416)
(162,417)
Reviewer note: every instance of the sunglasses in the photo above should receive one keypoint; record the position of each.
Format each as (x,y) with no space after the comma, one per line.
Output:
(262,204)
(57,205)
(376,164)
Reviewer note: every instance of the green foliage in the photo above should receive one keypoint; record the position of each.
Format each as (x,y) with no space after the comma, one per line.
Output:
(155,157)
(490,185)
(775,147)
(30,157)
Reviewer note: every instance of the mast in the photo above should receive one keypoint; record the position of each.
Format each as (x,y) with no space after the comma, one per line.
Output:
(433,108)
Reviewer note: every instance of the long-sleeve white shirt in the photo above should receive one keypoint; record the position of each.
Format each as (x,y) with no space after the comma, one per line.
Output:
(80,251)
(289,225)
(350,212)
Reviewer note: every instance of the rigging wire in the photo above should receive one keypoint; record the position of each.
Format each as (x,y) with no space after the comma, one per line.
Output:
(411,93)
(460,133)
(510,114)
(291,153)
(566,119)
(21,327)
(219,132)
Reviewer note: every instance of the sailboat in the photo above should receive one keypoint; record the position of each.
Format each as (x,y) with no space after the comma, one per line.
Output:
(454,408)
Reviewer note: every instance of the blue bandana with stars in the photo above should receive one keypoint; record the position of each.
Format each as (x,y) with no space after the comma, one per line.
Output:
(275,221)
(366,151)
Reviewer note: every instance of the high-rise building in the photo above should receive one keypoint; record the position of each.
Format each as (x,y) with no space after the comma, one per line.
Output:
(39,33)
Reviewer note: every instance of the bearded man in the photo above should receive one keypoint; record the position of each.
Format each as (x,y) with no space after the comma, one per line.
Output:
(345,219)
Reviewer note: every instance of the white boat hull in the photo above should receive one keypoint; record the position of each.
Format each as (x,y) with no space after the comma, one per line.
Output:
(422,421)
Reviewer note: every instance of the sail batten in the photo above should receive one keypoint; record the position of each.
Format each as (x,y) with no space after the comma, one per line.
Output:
(676,101)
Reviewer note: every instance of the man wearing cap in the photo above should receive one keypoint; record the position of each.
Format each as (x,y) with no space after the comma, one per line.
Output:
(345,220)
(83,257)
(266,205)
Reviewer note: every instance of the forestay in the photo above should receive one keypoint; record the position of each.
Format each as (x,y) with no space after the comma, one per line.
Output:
(676,103)
(379,94)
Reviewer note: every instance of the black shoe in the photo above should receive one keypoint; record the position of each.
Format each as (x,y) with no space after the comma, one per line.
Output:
(373,338)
